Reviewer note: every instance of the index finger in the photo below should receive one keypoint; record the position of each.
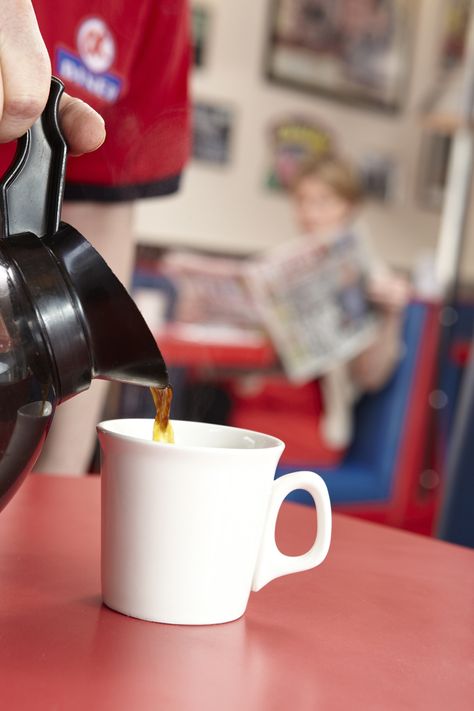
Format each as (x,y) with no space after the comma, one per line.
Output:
(25,69)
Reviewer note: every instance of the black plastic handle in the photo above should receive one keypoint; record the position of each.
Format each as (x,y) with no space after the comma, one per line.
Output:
(31,191)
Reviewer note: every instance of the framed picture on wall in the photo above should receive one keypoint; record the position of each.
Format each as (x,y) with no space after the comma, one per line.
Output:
(377,173)
(200,30)
(433,170)
(212,132)
(357,51)
(294,141)
(454,36)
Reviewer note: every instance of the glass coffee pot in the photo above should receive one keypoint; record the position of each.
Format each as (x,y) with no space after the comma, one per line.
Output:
(64,316)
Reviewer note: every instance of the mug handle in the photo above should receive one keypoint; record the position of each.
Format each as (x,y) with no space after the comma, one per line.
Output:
(271,563)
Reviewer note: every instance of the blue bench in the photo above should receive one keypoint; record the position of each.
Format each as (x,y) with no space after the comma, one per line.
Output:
(368,471)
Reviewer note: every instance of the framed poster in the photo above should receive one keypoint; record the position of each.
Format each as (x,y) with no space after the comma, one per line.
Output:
(377,174)
(212,132)
(455,26)
(356,51)
(433,170)
(293,141)
(200,28)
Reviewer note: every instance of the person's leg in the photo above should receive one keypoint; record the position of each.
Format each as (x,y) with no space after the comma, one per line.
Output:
(69,446)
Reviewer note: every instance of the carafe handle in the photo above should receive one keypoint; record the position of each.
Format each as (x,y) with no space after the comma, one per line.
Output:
(32,189)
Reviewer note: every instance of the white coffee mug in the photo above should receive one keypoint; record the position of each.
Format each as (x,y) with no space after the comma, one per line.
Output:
(188,529)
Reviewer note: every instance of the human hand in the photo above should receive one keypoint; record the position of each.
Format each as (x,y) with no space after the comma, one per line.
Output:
(389,292)
(25,77)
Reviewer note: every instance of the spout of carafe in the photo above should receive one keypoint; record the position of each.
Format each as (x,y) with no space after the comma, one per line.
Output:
(121,345)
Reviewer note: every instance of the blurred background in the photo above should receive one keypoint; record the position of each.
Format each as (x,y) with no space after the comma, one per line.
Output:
(251,91)
(388,85)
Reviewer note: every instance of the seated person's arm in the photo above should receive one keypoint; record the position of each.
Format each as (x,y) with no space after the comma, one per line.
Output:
(373,367)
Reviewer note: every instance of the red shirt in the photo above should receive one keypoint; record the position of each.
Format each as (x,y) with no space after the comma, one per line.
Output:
(129,60)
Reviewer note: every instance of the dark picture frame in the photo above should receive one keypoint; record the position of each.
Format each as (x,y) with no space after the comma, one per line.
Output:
(455,29)
(433,169)
(378,176)
(213,126)
(201,22)
(354,51)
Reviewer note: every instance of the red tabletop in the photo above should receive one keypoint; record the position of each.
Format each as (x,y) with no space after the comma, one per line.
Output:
(385,624)
(182,350)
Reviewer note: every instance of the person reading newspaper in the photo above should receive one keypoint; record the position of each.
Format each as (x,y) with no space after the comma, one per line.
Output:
(322,341)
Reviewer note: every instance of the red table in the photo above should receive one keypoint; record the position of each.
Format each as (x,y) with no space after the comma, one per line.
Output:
(184,351)
(386,623)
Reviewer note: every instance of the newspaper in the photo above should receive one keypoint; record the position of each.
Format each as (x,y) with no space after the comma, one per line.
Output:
(312,299)
(308,297)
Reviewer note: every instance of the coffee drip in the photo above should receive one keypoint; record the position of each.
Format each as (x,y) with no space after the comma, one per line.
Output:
(162,428)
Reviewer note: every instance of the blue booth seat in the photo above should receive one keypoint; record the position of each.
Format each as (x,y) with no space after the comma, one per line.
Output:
(369,469)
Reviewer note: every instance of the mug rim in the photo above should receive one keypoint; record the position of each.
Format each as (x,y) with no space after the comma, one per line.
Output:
(273,442)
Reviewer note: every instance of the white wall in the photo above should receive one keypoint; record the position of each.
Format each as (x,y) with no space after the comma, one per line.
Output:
(229,208)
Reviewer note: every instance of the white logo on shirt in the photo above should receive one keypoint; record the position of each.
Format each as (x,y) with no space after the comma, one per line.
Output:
(96,45)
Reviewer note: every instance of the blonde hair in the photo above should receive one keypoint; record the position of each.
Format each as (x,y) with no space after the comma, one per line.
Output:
(336,173)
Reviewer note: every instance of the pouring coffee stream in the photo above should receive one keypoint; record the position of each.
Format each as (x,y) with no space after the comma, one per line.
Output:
(162,428)
(65,318)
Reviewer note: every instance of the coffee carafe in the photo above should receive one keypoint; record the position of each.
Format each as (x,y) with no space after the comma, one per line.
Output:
(64,316)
